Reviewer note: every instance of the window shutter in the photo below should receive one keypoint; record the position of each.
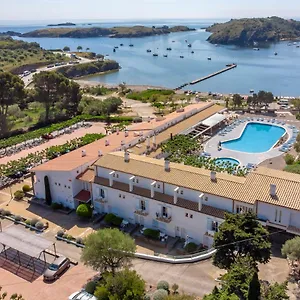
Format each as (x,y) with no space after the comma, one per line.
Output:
(209,224)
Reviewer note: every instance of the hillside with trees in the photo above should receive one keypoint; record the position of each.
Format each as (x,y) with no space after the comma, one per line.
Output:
(245,32)
(115,32)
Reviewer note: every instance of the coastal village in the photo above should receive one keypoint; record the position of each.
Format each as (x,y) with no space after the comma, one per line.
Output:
(128,191)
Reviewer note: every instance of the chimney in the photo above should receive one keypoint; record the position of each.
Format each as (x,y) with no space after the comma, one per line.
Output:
(213,176)
(152,188)
(167,166)
(176,195)
(131,183)
(106,142)
(126,156)
(111,180)
(100,153)
(83,153)
(273,190)
(200,199)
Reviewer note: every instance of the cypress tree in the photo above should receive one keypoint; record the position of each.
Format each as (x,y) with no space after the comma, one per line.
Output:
(254,288)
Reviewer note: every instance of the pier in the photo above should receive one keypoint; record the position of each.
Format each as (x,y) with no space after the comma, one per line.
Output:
(229,67)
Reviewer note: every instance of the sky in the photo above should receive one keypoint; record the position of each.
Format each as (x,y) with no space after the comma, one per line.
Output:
(68,10)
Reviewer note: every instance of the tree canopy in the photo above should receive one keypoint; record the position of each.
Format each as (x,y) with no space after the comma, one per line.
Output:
(240,235)
(66,49)
(124,285)
(237,100)
(108,250)
(11,92)
(291,248)
(12,297)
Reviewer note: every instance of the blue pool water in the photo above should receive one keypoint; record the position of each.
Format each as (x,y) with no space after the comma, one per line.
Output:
(256,138)
(227,160)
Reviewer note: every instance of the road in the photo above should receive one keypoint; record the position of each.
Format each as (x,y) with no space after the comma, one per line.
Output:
(28,79)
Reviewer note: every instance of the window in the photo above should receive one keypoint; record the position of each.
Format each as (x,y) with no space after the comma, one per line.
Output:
(123,196)
(215,226)
(186,215)
(181,192)
(191,216)
(280,215)
(69,187)
(158,186)
(243,209)
(65,186)
(55,183)
(102,193)
(164,211)
(206,199)
(59,184)
(143,205)
(120,196)
(77,171)
(137,181)
(275,215)
(117,175)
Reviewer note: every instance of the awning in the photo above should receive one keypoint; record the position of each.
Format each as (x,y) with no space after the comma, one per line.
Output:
(83,196)
(213,120)
(25,242)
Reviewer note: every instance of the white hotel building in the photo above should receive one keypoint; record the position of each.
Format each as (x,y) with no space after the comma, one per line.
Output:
(182,200)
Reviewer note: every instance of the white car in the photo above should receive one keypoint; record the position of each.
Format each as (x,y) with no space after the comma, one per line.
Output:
(82,295)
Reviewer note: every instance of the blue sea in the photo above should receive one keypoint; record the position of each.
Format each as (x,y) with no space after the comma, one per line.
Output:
(257,70)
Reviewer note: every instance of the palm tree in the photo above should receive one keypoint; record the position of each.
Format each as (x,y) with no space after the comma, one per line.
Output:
(87,49)
(79,48)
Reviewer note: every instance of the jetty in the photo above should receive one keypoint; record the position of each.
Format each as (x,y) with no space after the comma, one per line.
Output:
(230,67)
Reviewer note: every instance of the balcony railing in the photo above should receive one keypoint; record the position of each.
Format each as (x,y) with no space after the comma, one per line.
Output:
(101,200)
(165,219)
(141,212)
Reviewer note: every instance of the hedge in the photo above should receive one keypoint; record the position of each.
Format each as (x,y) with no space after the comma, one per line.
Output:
(19,195)
(152,233)
(191,247)
(112,219)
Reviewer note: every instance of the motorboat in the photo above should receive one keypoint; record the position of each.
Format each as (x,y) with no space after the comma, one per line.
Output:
(149,50)
(121,45)
(192,52)
(189,45)
(256,49)
(116,47)
(181,56)
(155,54)
(251,91)
(131,45)
(209,58)
(275,53)
(165,55)
(169,49)
(114,50)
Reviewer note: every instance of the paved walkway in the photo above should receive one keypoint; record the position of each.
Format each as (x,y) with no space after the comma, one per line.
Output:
(243,157)
(95,128)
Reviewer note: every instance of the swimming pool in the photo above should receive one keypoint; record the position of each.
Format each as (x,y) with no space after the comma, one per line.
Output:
(227,160)
(256,138)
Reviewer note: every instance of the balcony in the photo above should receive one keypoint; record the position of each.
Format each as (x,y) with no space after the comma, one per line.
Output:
(141,212)
(101,200)
(165,219)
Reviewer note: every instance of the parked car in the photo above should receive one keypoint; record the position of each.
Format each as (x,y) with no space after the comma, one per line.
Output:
(50,66)
(82,295)
(33,70)
(59,265)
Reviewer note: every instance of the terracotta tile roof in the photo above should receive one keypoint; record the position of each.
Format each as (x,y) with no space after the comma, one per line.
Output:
(180,175)
(87,176)
(254,187)
(83,196)
(74,159)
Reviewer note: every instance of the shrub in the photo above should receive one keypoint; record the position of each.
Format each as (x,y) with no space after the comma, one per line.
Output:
(190,247)
(60,233)
(28,222)
(109,218)
(18,218)
(1,211)
(19,195)
(69,237)
(175,288)
(151,233)
(163,285)
(55,205)
(33,222)
(26,188)
(289,159)
(147,297)
(84,210)
(117,221)
(80,241)
(90,287)
(6,212)
(39,225)
(160,295)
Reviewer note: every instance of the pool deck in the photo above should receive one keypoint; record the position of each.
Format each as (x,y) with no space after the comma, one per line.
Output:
(244,158)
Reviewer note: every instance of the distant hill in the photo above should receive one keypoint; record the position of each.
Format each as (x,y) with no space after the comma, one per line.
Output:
(245,32)
(62,24)
(115,32)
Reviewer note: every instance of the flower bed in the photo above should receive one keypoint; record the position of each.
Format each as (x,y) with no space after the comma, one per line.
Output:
(62,236)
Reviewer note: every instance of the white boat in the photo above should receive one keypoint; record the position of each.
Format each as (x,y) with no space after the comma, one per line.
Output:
(256,49)
(209,58)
